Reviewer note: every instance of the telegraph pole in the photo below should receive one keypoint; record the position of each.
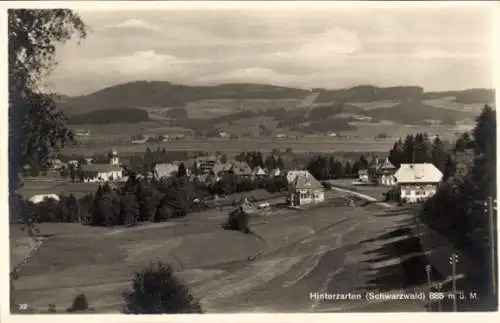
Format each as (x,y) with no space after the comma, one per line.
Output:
(428,272)
(439,287)
(492,244)
(453,262)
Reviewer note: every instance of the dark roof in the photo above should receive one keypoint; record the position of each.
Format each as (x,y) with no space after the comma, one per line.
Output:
(387,165)
(241,168)
(101,168)
(306,181)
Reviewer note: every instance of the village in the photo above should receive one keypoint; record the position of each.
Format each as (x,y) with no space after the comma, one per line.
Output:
(415,182)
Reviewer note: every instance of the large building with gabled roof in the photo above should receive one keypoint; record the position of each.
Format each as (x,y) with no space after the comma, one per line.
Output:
(418,182)
(304,189)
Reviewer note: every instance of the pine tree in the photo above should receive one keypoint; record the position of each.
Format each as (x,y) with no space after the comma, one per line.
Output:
(97,218)
(259,160)
(155,290)
(279,163)
(129,209)
(408,150)
(182,170)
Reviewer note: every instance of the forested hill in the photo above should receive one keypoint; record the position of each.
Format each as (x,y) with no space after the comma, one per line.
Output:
(164,94)
(142,94)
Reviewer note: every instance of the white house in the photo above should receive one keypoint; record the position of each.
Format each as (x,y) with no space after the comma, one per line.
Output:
(304,189)
(363,175)
(56,164)
(275,172)
(104,172)
(166,170)
(259,172)
(35,199)
(385,173)
(418,182)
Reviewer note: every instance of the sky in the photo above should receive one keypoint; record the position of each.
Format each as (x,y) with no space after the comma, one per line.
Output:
(330,47)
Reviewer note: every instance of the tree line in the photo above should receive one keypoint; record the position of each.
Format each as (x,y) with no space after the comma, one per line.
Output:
(109,116)
(328,167)
(419,148)
(255,159)
(142,199)
(458,211)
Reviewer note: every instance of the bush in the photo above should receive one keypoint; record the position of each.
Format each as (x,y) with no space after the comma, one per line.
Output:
(237,220)
(155,290)
(80,304)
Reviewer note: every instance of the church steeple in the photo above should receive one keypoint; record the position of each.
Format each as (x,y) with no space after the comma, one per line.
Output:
(113,157)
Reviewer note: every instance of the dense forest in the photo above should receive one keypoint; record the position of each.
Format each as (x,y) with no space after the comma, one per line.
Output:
(124,115)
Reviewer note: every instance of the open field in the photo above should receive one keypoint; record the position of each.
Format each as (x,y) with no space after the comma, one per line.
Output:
(370,190)
(320,249)
(449,103)
(128,129)
(220,107)
(364,105)
(360,139)
(207,109)
(397,130)
(317,144)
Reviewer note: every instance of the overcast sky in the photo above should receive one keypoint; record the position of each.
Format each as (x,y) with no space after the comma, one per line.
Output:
(439,49)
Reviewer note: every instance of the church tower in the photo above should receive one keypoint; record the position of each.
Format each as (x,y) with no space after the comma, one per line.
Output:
(113,157)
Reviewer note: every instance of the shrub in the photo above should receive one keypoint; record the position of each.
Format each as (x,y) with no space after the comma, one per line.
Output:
(80,304)
(155,290)
(52,308)
(237,220)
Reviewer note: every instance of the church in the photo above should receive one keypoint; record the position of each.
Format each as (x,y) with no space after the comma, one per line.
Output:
(104,172)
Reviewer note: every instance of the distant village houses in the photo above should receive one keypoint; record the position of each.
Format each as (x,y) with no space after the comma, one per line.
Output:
(112,171)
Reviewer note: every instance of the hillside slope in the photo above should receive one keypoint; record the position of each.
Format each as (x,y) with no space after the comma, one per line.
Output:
(143,94)
(415,112)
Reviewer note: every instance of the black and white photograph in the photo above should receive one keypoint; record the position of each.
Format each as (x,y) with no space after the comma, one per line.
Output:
(207,157)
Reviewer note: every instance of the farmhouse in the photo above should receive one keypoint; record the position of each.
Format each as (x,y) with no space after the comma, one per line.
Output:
(56,164)
(275,172)
(166,170)
(417,182)
(206,164)
(241,169)
(259,172)
(38,198)
(385,173)
(220,168)
(304,189)
(104,172)
(363,175)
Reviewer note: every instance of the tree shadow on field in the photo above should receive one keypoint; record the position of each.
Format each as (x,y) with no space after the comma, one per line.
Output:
(400,262)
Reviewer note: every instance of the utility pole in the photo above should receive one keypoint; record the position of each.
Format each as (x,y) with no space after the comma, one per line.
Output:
(428,273)
(490,211)
(453,262)
(439,287)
